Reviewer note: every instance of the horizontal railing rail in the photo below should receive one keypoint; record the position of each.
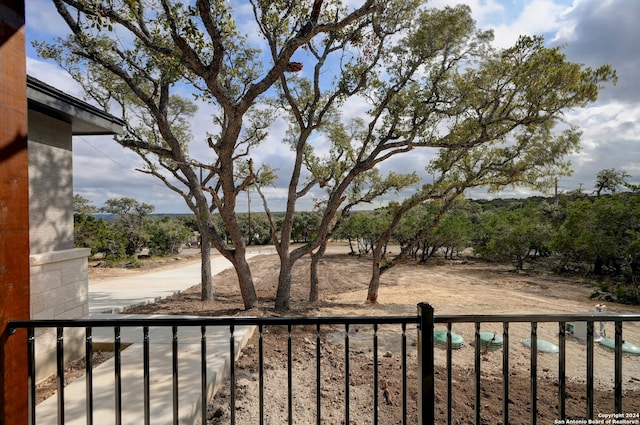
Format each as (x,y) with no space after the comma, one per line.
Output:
(322,320)
(425,323)
(211,321)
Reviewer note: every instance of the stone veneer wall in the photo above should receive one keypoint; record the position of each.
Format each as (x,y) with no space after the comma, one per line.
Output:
(59,290)
(50,184)
(59,277)
(59,284)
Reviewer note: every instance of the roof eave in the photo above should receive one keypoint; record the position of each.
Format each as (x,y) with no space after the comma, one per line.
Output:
(85,119)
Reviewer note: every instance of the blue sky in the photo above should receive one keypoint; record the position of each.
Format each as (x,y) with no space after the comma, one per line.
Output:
(594,32)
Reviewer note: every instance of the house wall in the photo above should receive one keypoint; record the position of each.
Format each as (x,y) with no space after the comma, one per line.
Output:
(50,184)
(59,276)
(59,285)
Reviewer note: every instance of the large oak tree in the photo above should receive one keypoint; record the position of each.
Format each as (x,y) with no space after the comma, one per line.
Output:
(488,117)
(504,132)
(431,79)
(144,55)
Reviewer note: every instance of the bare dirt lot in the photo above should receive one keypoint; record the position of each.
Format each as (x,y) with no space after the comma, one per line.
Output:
(452,287)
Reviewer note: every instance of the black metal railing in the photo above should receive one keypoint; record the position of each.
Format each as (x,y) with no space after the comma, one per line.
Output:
(204,324)
(534,319)
(424,367)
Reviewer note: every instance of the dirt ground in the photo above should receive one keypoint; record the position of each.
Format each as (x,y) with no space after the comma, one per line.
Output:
(452,287)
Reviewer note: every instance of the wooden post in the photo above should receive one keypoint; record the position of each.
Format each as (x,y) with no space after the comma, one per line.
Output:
(14,212)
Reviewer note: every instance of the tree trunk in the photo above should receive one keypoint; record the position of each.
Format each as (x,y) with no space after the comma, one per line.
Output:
(374,283)
(236,256)
(353,251)
(206,239)
(284,282)
(425,252)
(598,266)
(247,289)
(376,272)
(205,267)
(315,259)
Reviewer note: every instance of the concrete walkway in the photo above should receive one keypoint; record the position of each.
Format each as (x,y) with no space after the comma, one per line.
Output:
(114,295)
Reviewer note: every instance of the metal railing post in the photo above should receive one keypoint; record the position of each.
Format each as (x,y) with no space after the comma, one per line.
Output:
(426,382)
(60,372)
(618,367)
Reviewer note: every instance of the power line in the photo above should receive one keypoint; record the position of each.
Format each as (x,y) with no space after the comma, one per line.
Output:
(142,177)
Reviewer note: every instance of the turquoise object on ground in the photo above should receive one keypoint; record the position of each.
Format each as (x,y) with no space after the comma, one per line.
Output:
(490,339)
(440,338)
(627,347)
(543,346)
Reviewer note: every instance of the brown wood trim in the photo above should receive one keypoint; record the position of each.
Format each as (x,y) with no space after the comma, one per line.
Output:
(14,212)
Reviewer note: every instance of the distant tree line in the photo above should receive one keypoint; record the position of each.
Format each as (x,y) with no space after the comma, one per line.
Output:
(124,227)
(596,234)
(127,228)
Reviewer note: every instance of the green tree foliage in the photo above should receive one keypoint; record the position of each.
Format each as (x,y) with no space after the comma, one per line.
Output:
(451,235)
(148,56)
(345,64)
(362,229)
(493,128)
(130,219)
(515,235)
(602,232)
(256,227)
(90,231)
(599,235)
(168,235)
(96,233)
(610,180)
(305,226)
(83,206)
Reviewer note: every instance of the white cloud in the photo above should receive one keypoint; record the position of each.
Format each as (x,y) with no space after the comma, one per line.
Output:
(509,19)
(606,32)
(53,75)
(43,20)
(482,10)
(537,17)
(609,140)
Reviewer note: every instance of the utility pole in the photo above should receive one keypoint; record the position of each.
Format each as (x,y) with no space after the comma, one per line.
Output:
(14,213)
(249,217)
(250,169)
